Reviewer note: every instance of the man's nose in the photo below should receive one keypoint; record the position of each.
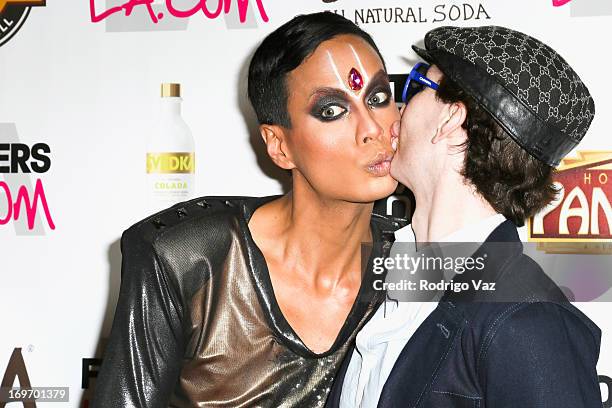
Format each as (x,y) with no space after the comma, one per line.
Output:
(395,129)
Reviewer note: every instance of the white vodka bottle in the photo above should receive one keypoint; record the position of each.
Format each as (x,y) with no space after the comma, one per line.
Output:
(170,154)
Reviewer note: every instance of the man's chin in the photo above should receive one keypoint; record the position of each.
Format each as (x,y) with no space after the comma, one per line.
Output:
(396,173)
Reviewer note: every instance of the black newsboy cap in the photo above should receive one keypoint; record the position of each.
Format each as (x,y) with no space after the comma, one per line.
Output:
(528,88)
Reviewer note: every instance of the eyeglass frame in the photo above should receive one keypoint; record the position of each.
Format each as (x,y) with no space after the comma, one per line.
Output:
(416,76)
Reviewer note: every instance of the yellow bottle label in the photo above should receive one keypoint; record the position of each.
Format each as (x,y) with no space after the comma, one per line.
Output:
(170,163)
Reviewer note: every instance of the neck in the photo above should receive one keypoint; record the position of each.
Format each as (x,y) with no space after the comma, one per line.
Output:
(446,206)
(320,236)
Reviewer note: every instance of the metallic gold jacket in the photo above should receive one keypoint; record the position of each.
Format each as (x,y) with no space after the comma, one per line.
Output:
(197,323)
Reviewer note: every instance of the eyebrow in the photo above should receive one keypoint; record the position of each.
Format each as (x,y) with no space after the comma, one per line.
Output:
(379,79)
(330,92)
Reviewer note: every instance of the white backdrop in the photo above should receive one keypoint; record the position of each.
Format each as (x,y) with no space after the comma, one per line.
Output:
(91,91)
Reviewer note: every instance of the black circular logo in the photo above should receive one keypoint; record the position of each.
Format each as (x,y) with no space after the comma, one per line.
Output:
(13,14)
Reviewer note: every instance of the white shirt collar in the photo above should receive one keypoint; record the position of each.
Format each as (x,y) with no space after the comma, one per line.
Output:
(477,232)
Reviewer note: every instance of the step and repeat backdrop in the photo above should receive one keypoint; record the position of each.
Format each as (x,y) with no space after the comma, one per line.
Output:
(82,123)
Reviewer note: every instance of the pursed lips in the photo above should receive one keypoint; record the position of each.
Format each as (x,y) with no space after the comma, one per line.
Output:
(381,164)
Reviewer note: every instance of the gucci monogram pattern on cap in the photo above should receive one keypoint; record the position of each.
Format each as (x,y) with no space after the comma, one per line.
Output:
(532,71)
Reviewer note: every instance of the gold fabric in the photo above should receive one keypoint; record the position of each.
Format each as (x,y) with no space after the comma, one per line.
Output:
(202,327)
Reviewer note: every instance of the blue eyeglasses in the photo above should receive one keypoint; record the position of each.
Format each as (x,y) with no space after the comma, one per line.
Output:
(417,81)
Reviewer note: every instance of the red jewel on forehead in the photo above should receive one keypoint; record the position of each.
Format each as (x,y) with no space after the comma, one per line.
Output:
(355,80)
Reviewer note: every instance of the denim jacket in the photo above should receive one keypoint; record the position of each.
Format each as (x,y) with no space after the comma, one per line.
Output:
(523,346)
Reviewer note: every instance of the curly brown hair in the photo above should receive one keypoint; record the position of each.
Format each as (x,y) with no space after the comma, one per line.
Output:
(514,183)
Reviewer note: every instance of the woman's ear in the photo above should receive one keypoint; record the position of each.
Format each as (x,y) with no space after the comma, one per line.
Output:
(451,124)
(274,137)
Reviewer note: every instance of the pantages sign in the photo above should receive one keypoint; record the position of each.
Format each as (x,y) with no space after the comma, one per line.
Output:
(580,217)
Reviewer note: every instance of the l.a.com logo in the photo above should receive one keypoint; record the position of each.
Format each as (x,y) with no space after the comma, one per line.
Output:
(579,220)
(172,15)
(13,14)
(19,201)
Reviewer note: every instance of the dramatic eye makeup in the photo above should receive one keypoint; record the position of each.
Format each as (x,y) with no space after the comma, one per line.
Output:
(379,98)
(329,104)
(378,92)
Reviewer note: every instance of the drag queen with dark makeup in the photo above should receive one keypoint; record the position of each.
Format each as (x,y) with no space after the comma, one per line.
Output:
(254,302)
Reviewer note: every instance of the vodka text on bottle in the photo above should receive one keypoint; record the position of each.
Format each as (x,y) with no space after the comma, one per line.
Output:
(170,154)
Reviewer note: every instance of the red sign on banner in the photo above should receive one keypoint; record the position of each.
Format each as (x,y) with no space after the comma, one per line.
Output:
(222,6)
(582,210)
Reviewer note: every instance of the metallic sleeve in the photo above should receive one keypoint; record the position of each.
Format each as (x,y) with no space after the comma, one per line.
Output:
(142,361)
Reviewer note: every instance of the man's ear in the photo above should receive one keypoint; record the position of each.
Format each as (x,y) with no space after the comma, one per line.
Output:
(275,139)
(450,125)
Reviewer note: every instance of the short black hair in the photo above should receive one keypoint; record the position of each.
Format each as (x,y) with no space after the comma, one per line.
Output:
(284,50)
(513,182)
